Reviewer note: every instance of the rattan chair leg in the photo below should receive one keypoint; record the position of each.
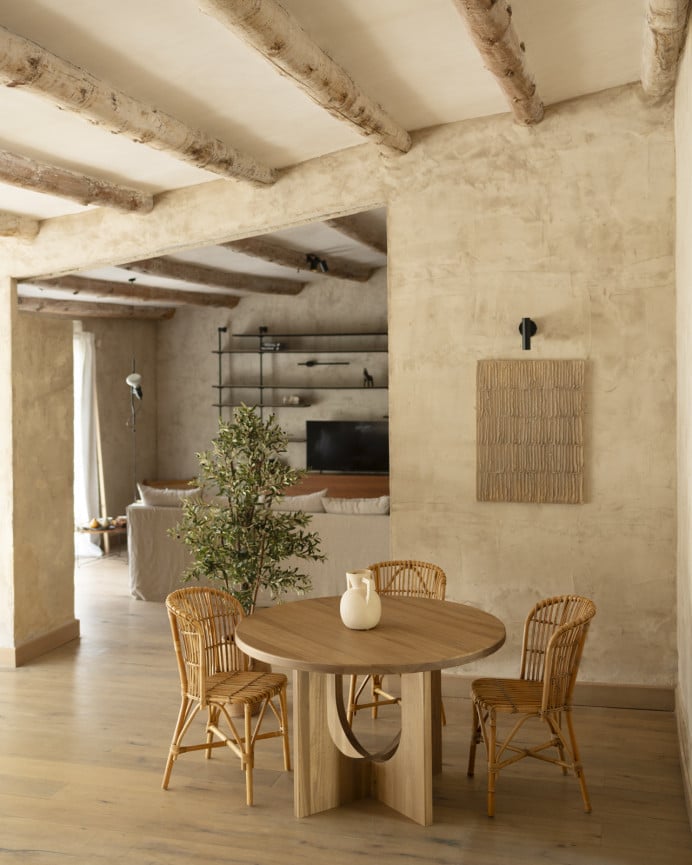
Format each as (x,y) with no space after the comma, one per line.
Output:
(351,699)
(213,720)
(181,726)
(376,685)
(491,731)
(475,740)
(284,729)
(578,770)
(248,753)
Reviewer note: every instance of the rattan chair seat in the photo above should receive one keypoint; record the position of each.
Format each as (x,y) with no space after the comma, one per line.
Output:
(244,687)
(510,696)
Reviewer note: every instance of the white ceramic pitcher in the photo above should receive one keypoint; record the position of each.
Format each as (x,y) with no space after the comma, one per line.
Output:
(360,606)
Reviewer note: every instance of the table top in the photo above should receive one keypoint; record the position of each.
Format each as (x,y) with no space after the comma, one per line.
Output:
(414,635)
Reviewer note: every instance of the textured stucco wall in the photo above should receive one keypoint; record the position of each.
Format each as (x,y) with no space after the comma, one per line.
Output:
(43,471)
(683,141)
(117,342)
(187,420)
(8,314)
(570,223)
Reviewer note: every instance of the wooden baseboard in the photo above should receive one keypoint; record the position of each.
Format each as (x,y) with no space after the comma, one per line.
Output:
(25,652)
(596,694)
(685,756)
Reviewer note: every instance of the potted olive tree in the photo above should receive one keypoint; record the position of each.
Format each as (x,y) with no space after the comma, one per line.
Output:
(236,537)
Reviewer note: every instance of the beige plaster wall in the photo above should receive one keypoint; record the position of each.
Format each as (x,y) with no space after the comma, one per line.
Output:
(187,369)
(8,315)
(42,397)
(570,223)
(683,141)
(117,343)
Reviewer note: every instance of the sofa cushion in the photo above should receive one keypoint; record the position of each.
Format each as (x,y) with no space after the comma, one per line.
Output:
(310,502)
(379,505)
(165,498)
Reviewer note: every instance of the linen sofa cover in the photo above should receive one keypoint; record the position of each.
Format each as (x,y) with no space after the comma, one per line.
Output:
(157,561)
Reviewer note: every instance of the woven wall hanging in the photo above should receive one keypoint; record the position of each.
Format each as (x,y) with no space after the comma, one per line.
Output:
(530,437)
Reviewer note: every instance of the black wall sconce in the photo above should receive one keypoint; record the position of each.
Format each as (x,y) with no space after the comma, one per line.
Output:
(527,329)
(316,263)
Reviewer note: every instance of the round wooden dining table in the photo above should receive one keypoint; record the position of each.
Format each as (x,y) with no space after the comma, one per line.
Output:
(416,638)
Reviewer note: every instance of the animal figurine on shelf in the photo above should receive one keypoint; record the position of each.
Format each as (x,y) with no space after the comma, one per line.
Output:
(368,380)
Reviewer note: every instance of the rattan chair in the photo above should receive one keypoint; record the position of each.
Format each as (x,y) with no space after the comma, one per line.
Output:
(554,635)
(402,578)
(215,676)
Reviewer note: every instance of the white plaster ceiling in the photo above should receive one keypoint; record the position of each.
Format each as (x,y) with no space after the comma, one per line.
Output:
(414,57)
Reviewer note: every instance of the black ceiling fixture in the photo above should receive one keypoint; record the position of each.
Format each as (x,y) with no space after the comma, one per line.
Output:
(316,263)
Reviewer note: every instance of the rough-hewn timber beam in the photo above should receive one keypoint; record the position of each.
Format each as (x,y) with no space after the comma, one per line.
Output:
(339,268)
(76,285)
(664,36)
(490,25)
(81,309)
(14,225)
(26,64)
(51,180)
(186,271)
(269,29)
(367,234)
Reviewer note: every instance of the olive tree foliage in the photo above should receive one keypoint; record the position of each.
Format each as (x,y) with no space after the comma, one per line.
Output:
(235,536)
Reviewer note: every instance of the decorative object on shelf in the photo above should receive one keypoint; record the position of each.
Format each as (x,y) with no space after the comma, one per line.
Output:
(325,363)
(315,263)
(527,329)
(368,380)
(530,437)
(360,607)
(237,538)
(292,399)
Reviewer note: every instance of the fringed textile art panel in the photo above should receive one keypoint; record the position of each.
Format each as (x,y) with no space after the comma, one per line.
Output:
(530,437)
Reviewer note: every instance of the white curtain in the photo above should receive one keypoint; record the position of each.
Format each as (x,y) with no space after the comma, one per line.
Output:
(86,478)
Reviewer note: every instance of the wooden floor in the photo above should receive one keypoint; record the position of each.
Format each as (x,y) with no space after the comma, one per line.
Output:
(84,733)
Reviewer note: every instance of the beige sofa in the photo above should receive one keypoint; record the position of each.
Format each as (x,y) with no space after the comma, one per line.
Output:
(157,561)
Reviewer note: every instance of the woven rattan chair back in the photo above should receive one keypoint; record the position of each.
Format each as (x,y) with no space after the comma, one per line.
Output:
(554,635)
(203,622)
(410,579)
(215,677)
(404,578)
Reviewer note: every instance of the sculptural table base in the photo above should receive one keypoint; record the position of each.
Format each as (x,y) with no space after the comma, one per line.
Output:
(329,771)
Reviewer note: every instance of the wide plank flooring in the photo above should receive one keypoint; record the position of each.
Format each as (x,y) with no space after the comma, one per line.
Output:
(84,734)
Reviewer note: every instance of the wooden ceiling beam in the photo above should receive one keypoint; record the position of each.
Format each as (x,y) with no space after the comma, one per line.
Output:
(51,180)
(339,268)
(81,309)
(14,225)
(26,64)
(77,285)
(490,25)
(276,35)
(187,271)
(664,37)
(357,229)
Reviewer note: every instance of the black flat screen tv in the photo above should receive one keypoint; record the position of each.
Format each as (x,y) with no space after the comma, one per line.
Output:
(348,446)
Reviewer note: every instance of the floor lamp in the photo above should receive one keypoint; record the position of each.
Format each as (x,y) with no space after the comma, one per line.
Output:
(134,382)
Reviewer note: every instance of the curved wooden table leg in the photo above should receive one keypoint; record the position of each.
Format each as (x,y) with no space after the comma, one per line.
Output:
(324,777)
(405,781)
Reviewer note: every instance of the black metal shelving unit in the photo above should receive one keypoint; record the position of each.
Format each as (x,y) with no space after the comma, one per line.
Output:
(275,344)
